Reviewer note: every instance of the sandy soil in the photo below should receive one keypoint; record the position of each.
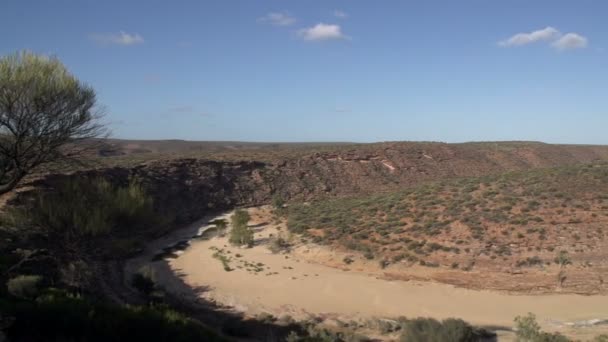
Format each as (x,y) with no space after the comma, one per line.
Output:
(260,281)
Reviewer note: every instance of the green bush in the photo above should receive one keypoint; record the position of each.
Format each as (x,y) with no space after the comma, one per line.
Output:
(24,286)
(240,234)
(279,244)
(88,207)
(562,258)
(277,201)
(528,330)
(431,330)
(240,218)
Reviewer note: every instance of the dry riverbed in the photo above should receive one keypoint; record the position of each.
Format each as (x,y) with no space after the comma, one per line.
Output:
(255,281)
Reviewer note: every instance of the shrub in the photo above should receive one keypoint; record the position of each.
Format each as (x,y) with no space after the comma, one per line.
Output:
(562,258)
(24,286)
(431,330)
(528,330)
(240,218)
(88,207)
(241,234)
(277,201)
(279,244)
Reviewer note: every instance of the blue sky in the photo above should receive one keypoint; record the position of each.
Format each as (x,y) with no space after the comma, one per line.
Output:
(331,70)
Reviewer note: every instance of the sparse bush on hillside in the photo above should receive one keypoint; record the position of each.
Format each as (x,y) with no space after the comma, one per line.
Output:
(516,208)
(562,258)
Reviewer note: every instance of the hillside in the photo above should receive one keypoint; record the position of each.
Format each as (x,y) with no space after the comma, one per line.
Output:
(224,179)
(539,230)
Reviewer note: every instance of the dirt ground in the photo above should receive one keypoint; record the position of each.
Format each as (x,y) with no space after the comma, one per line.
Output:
(255,280)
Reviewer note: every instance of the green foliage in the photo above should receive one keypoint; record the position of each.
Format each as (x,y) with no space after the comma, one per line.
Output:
(89,207)
(40,74)
(59,317)
(528,330)
(240,218)
(562,258)
(241,234)
(279,244)
(43,108)
(527,327)
(24,286)
(431,330)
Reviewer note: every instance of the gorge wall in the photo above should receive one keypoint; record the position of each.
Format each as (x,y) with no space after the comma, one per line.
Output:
(192,187)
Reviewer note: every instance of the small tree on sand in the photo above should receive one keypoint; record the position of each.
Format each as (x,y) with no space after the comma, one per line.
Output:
(46,115)
(241,234)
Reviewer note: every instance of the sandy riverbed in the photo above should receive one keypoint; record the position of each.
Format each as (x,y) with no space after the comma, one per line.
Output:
(285,284)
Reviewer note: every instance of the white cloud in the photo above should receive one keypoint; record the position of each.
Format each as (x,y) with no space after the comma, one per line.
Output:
(278,19)
(559,41)
(121,38)
(570,41)
(548,33)
(340,14)
(322,32)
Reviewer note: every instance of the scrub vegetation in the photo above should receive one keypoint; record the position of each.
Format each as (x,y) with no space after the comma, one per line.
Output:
(484,216)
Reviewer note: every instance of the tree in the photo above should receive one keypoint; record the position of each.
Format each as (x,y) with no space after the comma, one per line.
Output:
(46,115)
(241,234)
(528,330)
(240,217)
